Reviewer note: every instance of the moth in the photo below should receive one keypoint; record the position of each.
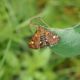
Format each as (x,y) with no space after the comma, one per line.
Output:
(43,37)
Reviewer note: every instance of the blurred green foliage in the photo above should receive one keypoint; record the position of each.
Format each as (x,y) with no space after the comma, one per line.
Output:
(17,60)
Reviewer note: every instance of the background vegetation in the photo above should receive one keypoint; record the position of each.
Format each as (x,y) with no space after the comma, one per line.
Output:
(18,61)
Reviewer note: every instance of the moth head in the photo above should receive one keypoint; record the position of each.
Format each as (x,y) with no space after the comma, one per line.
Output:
(32,44)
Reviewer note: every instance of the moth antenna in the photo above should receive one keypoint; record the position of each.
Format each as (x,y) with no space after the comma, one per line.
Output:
(40,19)
(43,21)
(31,24)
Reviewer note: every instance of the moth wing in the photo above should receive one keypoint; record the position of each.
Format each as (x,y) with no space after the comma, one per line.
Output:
(51,38)
(35,41)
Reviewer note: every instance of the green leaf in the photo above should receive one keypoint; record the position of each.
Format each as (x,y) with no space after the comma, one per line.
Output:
(69,44)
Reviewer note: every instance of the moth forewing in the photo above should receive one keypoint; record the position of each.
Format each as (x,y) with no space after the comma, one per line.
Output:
(43,37)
